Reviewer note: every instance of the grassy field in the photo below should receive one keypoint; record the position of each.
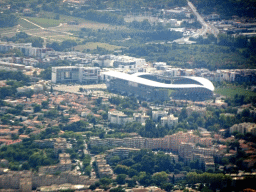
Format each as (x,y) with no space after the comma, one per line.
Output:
(26,25)
(44,22)
(93,45)
(231,91)
(47,20)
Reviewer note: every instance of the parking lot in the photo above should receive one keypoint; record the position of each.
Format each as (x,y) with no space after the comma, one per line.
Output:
(75,88)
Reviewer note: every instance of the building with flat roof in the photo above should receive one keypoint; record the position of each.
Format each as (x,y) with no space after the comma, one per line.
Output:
(118,117)
(69,74)
(143,87)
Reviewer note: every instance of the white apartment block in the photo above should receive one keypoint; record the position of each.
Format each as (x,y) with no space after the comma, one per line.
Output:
(118,117)
(156,115)
(141,118)
(68,74)
(170,120)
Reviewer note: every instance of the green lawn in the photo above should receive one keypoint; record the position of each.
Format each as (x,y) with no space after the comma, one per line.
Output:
(93,45)
(231,91)
(44,22)
(26,25)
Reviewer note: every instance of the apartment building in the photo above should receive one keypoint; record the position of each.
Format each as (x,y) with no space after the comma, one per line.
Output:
(69,74)
(170,120)
(64,165)
(141,118)
(157,115)
(185,151)
(243,128)
(60,146)
(104,169)
(118,117)
(122,152)
(134,142)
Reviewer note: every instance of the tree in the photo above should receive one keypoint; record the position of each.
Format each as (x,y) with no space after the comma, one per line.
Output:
(105,181)
(132,172)
(7,19)
(45,104)
(37,108)
(167,187)
(183,114)
(25,166)
(121,169)
(160,178)
(145,179)
(118,189)
(121,179)
(114,160)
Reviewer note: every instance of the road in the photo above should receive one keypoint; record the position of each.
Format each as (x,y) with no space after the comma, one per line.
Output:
(207,28)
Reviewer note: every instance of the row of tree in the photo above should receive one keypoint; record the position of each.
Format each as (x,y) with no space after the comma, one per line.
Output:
(23,37)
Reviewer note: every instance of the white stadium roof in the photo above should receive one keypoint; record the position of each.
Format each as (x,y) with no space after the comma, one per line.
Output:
(205,83)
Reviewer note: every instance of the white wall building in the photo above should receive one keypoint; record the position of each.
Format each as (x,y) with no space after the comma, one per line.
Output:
(140,117)
(156,115)
(169,120)
(69,74)
(118,117)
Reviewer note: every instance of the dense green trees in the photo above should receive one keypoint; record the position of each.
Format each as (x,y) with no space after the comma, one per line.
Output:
(142,164)
(215,181)
(227,8)
(28,153)
(122,103)
(64,45)
(7,19)
(13,75)
(15,79)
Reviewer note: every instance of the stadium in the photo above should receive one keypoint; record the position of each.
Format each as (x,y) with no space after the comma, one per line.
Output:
(152,88)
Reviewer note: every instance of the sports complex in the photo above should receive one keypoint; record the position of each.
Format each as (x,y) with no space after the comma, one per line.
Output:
(149,87)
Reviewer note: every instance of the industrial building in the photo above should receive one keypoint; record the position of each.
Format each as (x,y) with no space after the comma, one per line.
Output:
(148,87)
(73,74)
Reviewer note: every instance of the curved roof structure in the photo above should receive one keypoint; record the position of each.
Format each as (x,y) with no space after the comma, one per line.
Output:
(135,78)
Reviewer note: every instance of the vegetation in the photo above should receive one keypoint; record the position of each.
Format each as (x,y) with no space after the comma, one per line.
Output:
(23,37)
(94,45)
(65,45)
(15,79)
(227,8)
(230,90)
(7,19)
(28,153)
(44,22)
